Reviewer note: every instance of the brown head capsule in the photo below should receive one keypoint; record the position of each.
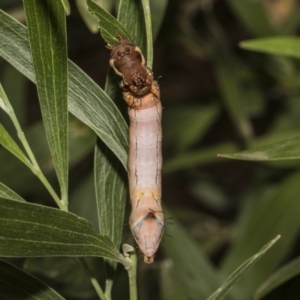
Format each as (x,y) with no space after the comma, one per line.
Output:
(128,62)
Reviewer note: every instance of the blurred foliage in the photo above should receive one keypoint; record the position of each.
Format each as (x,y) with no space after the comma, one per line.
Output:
(218,99)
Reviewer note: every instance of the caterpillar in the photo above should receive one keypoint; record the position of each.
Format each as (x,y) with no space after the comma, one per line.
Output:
(141,93)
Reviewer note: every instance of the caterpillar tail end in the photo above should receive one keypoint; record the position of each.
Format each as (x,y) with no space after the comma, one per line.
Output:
(148,260)
(147,231)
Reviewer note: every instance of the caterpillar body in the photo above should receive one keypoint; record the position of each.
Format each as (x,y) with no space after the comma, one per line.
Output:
(141,93)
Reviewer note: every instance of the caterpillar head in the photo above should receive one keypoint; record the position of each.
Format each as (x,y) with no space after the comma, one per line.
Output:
(147,231)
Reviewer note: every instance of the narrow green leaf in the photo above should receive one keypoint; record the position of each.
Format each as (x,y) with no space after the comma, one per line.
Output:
(14,174)
(29,230)
(111,195)
(285,273)
(193,158)
(108,5)
(90,20)
(11,146)
(148,27)
(48,44)
(7,193)
(87,101)
(67,275)
(252,14)
(81,141)
(270,214)
(86,209)
(189,124)
(170,289)
(158,10)
(66,6)
(232,94)
(193,271)
(281,45)
(238,273)
(131,16)
(17,284)
(109,26)
(283,150)
(17,176)
(4,103)
(90,104)
(15,92)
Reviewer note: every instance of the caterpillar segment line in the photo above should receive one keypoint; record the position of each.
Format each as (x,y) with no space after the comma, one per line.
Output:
(141,93)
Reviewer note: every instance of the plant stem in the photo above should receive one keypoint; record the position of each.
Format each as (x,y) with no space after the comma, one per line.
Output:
(132,277)
(35,168)
(92,277)
(131,269)
(108,288)
(97,288)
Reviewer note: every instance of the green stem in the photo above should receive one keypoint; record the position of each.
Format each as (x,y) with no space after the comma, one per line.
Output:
(35,168)
(131,267)
(97,288)
(108,288)
(132,277)
(92,277)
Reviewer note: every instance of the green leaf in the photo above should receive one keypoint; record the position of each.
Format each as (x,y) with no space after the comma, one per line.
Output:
(14,174)
(87,101)
(148,27)
(109,26)
(10,145)
(7,193)
(108,5)
(158,10)
(66,6)
(191,268)
(29,230)
(17,284)
(281,45)
(48,44)
(253,16)
(131,16)
(198,157)
(87,209)
(93,106)
(90,21)
(81,141)
(169,287)
(283,150)
(4,102)
(67,275)
(265,216)
(238,273)
(189,124)
(111,192)
(15,92)
(232,94)
(285,273)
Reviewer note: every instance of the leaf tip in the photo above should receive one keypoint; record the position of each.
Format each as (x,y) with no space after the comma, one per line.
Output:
(67,8)
(242,44)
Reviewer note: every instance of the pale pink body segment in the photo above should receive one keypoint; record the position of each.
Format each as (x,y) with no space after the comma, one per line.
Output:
(144,171)
(141,93)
